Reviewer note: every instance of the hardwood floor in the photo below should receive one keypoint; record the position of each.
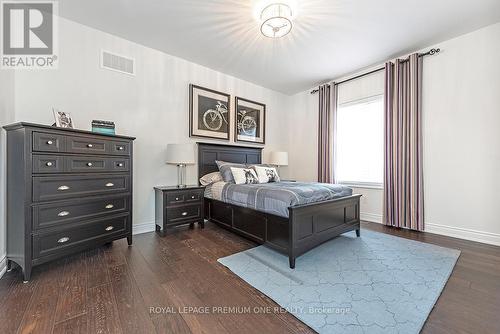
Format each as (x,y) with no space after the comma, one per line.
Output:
(149,287)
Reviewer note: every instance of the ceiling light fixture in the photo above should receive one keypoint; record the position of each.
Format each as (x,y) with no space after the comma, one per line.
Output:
(276,20)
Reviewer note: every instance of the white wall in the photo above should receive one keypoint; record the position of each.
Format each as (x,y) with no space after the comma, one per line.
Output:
(6,116)
(461,116)
(152,106)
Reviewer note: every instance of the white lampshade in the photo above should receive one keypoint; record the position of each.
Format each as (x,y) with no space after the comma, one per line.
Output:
(180,154)
(278,158)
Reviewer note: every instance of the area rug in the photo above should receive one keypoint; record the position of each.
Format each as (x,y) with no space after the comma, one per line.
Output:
(377,283)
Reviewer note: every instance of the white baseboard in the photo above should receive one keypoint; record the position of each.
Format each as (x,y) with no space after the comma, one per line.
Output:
(143,228)
(371,217)
(3,266)
(464,233)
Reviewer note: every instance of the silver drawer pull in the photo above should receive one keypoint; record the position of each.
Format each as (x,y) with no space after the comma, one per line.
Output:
(177,198)
(120,148)
(110,184)
(49,164)
(63,240)
(89,164)
(109,206)
(90,145)
(184,213)
(192,197)
(109,228)
(62,188)
(63,213)
(120,164)
(50,142)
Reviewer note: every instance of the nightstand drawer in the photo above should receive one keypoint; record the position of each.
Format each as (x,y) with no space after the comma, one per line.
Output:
(193,196)
(175,198)
(185,196)
(185,212)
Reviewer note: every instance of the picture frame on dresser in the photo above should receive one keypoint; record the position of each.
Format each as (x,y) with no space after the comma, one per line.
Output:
(67,191)
(209,113)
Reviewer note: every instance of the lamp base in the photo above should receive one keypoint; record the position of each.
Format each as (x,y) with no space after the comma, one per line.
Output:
(181,176)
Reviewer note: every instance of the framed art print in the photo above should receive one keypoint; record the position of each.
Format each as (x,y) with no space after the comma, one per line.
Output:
(209,113)
(250,121)
(62,119)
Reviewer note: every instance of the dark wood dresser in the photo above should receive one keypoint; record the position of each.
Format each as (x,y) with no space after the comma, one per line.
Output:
(178,206)
(67,190)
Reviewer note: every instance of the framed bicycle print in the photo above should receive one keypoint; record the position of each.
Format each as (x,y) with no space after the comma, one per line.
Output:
(209,113)
(250,121)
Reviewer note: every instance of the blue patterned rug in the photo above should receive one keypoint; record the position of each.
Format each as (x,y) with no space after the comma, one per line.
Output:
(377,283)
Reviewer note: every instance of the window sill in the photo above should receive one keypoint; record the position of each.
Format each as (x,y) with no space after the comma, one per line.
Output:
(364,185)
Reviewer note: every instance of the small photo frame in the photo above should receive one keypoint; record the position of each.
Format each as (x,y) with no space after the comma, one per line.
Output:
(209,113)
(63,119)
(250,123)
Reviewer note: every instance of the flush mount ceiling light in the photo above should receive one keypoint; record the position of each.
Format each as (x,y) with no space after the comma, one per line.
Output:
(276,20)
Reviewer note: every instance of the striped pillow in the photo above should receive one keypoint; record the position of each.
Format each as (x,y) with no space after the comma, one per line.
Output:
(225,169)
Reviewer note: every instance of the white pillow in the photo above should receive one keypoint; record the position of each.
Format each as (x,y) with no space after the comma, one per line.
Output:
(267,174)
(210,178)
(244,175)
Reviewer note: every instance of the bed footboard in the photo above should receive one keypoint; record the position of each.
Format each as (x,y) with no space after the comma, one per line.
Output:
(313,224)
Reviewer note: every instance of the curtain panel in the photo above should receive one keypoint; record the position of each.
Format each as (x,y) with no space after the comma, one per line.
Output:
(403,175)
(327,132)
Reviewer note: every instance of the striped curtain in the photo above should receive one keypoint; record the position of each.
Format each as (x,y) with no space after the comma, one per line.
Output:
(403,181)
(327,132)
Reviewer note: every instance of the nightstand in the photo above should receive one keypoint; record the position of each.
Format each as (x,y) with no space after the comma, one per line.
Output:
(178,206)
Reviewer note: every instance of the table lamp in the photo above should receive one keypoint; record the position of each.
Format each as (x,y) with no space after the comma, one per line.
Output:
(180,155)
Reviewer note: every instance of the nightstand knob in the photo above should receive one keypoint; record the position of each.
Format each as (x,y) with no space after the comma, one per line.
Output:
(120,148)
(109,206)
(184,213)
(63,240)
(49,164)
(89,164)
(120,164)
(62,188)
(193,197)
(63,213)
(110,184)
(50,142)
(109,228)
(90,145)
(177,198)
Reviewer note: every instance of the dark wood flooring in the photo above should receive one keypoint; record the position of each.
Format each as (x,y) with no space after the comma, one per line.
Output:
(111,289)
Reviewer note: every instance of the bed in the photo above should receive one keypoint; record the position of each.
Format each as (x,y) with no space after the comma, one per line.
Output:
(303,228)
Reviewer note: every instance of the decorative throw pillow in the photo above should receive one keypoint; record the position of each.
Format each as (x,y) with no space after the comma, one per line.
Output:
(210,178)
(244,176)
(267,174)
(225,169)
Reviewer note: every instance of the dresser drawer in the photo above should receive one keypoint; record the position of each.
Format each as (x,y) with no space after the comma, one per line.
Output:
(47,142)
(185,196)
(85,164)
(62,187)
(69,212)
(120,148)
(184,212)
(60,240)
(47,164)
(86,145)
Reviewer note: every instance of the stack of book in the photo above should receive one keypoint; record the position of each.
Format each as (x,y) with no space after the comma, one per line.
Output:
(104,127)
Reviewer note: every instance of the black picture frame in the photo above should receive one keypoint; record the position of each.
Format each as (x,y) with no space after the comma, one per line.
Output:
(217,104)
(255,123)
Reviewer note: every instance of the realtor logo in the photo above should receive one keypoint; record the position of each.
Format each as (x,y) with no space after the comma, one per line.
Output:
(28,34)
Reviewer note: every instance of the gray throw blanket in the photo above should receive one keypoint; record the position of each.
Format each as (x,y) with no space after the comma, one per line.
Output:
(276,197)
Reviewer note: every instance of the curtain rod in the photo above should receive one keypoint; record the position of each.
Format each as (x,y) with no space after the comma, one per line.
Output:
(428,53)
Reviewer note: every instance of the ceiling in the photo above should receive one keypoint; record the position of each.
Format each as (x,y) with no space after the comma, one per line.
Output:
(330,38)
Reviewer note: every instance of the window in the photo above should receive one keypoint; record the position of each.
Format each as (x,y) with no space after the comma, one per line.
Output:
(360,142)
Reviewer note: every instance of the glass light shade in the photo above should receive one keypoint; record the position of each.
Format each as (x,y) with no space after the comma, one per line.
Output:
(276,20)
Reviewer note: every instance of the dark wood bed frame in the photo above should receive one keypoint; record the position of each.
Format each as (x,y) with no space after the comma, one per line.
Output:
(308,225)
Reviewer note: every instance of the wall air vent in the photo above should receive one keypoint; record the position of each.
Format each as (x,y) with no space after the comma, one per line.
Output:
(117,63)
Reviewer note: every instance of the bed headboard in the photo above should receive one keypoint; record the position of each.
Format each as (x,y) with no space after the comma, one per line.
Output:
(208,153)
